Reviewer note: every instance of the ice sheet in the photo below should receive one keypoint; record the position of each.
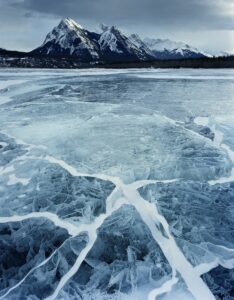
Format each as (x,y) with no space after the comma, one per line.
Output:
(116,184)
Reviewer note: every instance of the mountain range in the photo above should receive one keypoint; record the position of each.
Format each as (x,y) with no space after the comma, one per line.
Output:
(111,45)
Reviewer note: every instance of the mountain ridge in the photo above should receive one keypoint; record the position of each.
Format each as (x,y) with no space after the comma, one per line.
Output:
(162,48)
(70,45)
(71,39)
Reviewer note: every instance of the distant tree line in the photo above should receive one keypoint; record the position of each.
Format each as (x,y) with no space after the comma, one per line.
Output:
(29,60)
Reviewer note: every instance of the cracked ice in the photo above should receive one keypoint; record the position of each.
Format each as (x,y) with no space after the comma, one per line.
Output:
(117,185)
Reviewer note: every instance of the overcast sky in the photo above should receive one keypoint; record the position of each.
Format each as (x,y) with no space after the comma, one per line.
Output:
(206,24)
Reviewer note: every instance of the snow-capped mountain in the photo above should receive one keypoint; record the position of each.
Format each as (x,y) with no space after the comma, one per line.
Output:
(135,39)
(70,38)
(115,45)
(167,49)
(223,54)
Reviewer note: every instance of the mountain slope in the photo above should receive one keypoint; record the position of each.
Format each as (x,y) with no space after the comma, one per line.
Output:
(135,39)
(167,49)
(70,39)
(114,45)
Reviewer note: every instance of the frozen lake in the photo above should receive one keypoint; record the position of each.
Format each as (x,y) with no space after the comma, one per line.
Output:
(117,184)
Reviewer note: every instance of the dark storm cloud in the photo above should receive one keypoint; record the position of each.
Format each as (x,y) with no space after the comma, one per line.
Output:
(206,24)
(210,14)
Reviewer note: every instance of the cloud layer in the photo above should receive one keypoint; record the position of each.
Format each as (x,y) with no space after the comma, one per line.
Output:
(205,14)
(179,18)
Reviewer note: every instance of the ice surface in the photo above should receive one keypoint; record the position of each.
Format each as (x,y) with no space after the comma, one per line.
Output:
(25,245)
(123,259)
(222,282)
(116,139)
(199,215)
(44,278)
(116,184)
(48,187)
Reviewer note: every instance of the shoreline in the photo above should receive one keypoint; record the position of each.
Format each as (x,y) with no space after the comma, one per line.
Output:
(25,60)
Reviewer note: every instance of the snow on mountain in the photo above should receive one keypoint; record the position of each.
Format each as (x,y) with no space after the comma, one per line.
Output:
(165,48)
(223,54)
(163,44)
(113,43)
(135,39)
(70,38)
(109,40)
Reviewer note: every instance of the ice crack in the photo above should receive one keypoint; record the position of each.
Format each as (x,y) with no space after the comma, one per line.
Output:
(165,288)
(157,224)
(71,229)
